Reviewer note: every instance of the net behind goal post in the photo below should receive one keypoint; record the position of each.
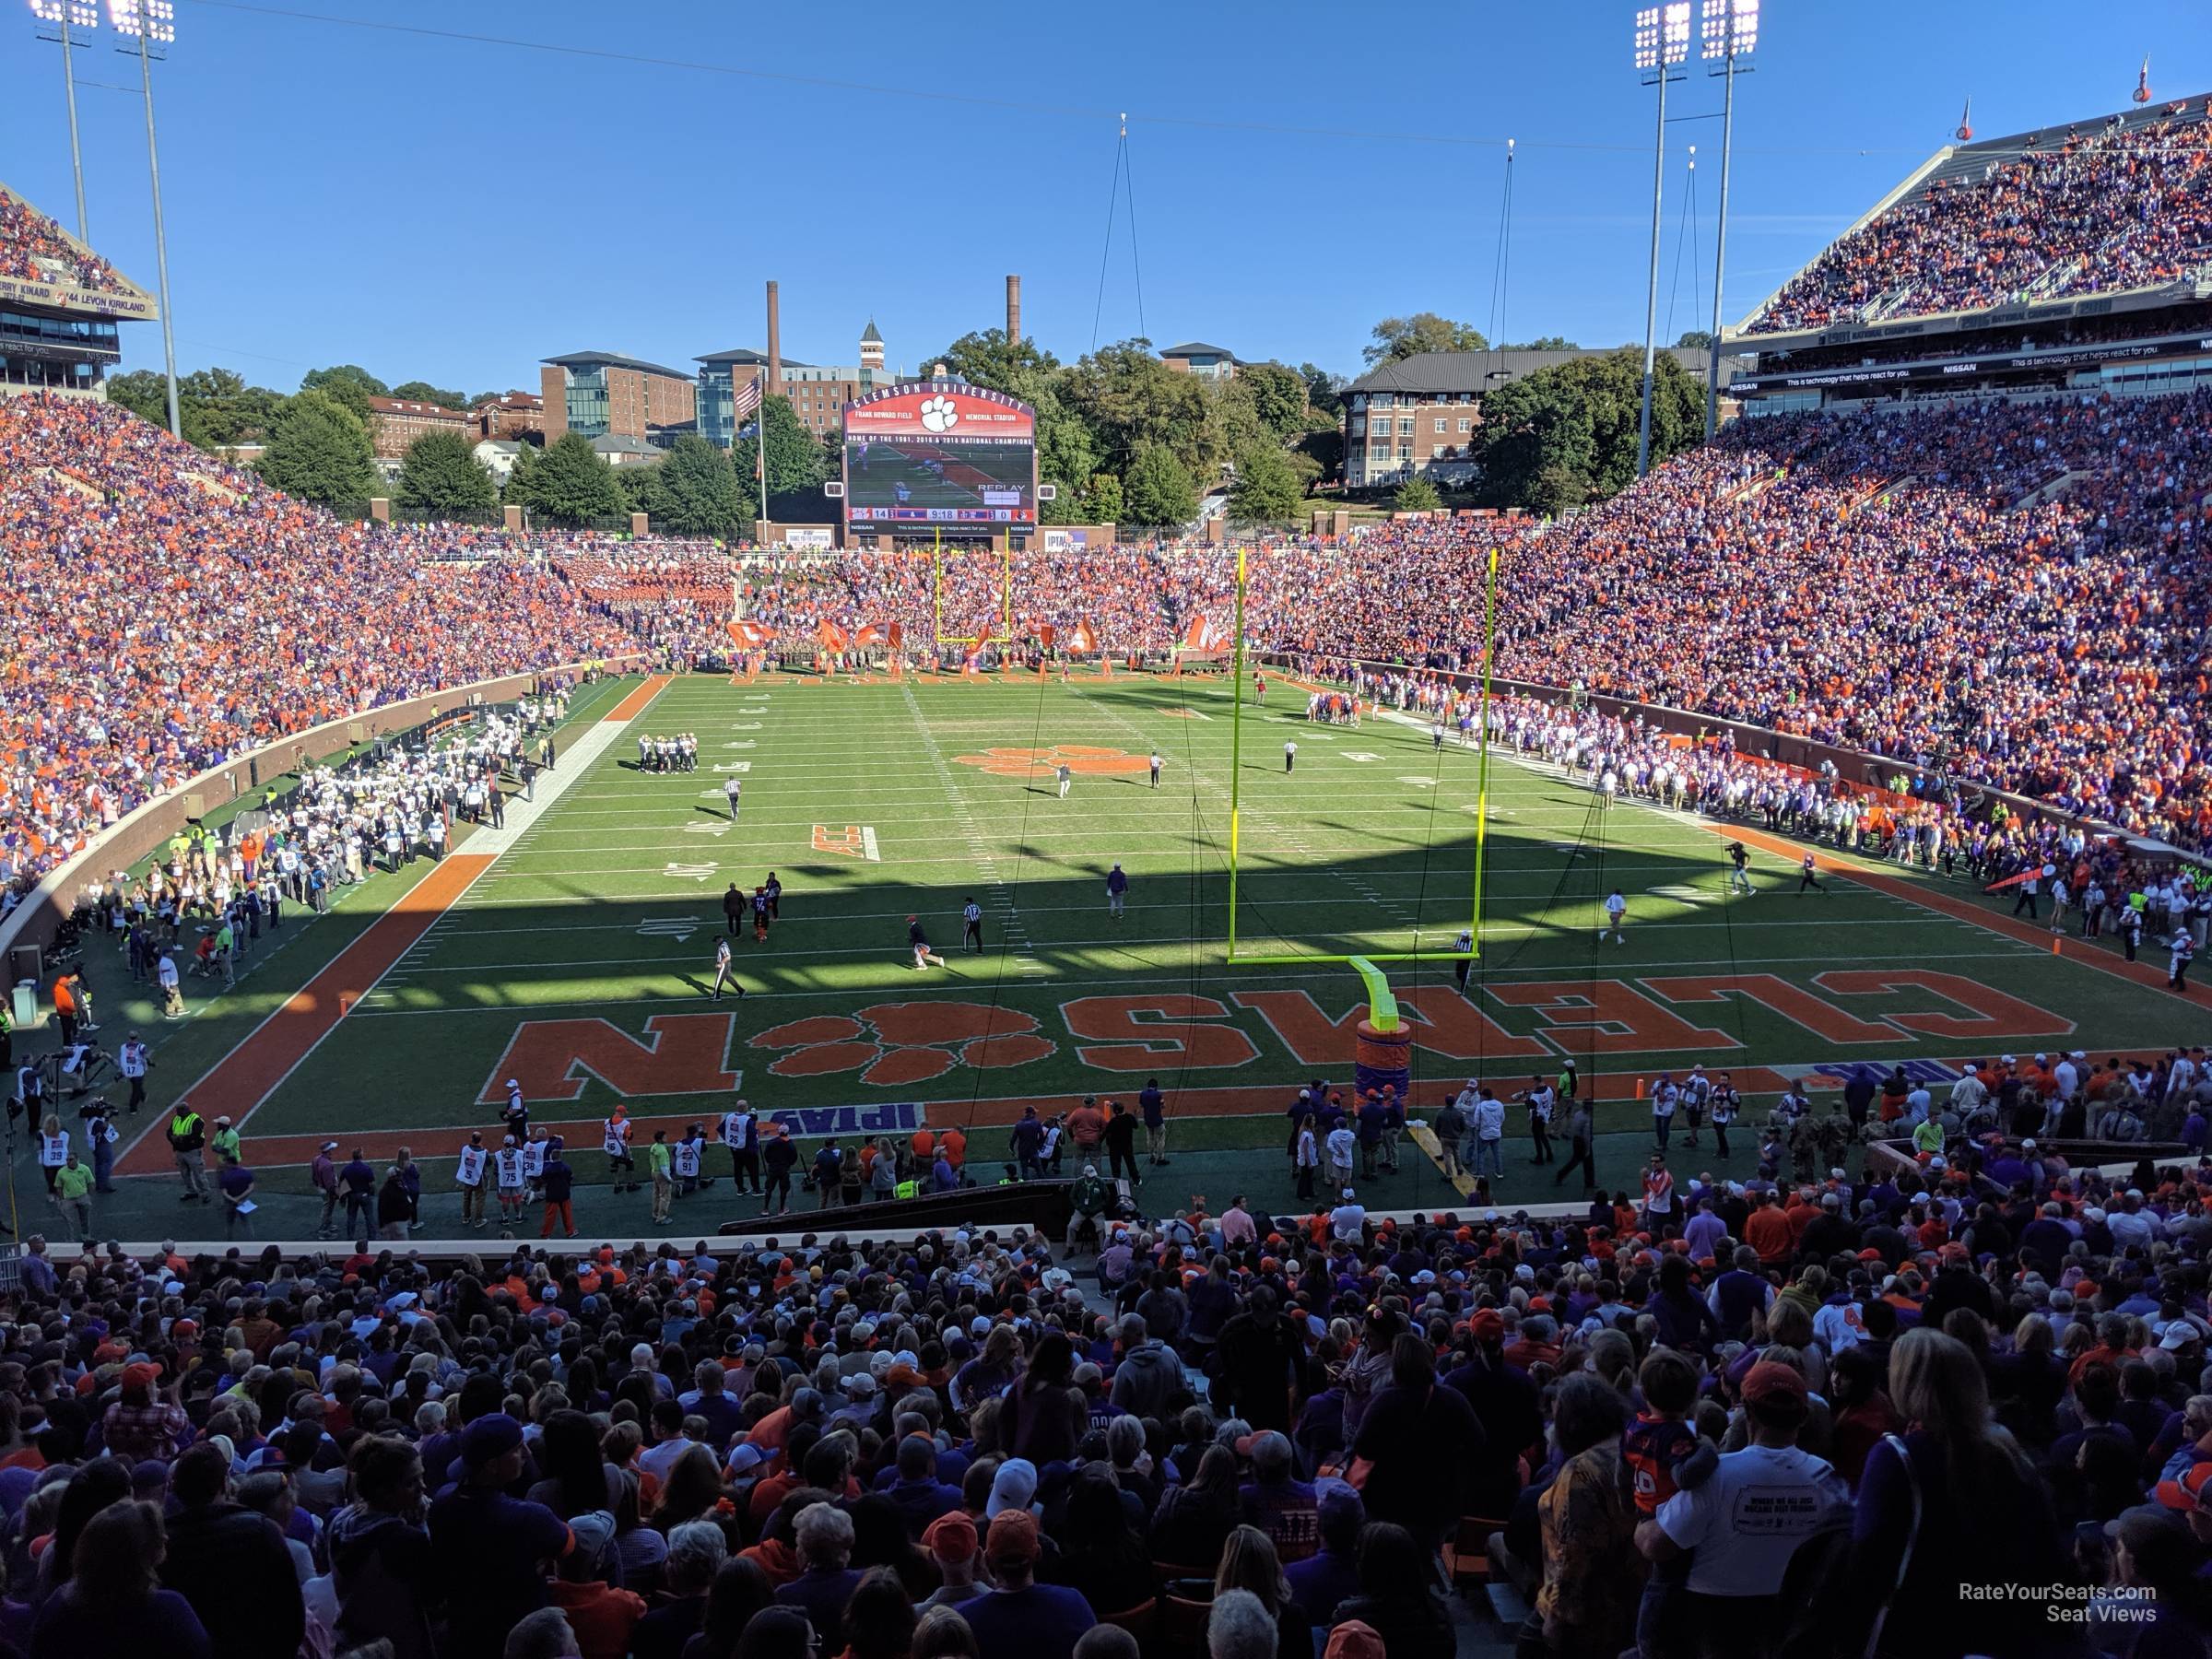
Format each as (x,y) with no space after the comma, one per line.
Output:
(1428,926)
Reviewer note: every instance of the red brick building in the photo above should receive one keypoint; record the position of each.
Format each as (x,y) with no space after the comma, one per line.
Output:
(602,395)
(1420,414)
(514,416)
(395,422)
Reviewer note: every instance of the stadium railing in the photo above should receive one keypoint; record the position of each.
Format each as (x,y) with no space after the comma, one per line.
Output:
(140,832)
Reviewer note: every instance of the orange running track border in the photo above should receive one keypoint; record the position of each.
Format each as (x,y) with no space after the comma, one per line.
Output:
(236,1085)
(630,706)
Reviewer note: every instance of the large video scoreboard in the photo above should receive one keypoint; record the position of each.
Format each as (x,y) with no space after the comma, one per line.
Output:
(940,453)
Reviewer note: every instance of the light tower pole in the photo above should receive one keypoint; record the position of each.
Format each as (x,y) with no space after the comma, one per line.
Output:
(1662,44)
(153,25)
(1730,37)
(59,17)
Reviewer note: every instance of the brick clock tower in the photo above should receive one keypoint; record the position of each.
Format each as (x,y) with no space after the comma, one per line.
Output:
(871,347)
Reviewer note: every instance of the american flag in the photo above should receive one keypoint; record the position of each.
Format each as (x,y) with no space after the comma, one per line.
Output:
(747,400)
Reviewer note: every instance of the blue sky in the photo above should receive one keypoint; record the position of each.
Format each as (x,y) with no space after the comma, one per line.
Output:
(454,211)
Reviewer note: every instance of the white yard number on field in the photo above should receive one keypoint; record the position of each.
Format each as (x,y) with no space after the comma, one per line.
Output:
(689,872)
(1359,754)
(678,928)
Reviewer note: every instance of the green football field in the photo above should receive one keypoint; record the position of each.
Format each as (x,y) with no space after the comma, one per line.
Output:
(578,960)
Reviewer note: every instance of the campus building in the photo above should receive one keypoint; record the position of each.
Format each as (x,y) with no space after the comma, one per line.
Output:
(819,393)
(1420,414)
(1207,362)
(395,422)
(514,416)
(604,394)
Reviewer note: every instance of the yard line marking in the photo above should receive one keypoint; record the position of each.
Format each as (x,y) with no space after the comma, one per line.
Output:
(1010,923)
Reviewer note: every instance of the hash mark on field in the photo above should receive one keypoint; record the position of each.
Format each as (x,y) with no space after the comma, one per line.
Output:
(1002,896)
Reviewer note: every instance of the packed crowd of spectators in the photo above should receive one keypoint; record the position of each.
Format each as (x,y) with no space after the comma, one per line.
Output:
(1727,1417)
(170,613)
(2127,206)
(2008,592)
(34,249)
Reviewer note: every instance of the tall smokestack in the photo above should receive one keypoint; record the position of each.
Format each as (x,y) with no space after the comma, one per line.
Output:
(775,346)
(1013,311)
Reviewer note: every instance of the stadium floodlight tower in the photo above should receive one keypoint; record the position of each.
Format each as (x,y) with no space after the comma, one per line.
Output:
(59,17)
(1730,36)
(153,23)
(1661,44)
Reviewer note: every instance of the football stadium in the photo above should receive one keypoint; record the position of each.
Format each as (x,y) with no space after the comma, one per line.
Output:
(1622,1066)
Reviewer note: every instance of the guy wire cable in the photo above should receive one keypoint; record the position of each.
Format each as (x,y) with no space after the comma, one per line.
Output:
(1683,239)
(1501,262)
(1135,265)
(1105,252)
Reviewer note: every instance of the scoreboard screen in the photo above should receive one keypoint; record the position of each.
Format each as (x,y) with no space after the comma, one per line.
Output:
(940,453)
(940,481)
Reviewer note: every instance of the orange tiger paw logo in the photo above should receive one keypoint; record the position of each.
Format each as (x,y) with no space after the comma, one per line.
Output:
(892,1043)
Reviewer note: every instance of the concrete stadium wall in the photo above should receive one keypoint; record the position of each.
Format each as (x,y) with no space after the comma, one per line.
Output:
(142,831)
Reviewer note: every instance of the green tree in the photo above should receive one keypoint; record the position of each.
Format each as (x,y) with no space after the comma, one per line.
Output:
(144,393)
(699,493)
(1158,489)
(1568,433)
(423,391)
(1322,452)
(642,488)
(216,406)
(1279,394)
(796,462)
(1694,339)
(1555,489)
(1531,428)
(1543,343)
(1128,398)
(1102,501)
(1417,495)
(440,475)
(349,382)
(219,409)
(1065,459)
(318,450)
(1324,391)
(1267,489)
(1022,370)
(1397,337)
(568,484)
